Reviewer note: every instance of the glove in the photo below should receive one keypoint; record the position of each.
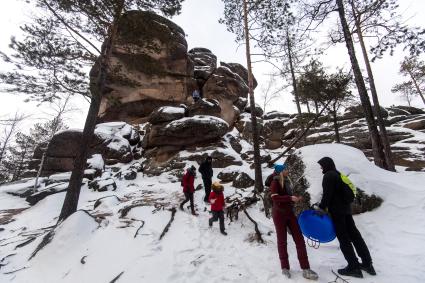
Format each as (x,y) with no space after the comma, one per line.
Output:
(318,210)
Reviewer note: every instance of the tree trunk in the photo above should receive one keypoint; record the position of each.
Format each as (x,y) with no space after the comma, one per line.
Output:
(418,89)
(70,203)
(377,149)
(383,131)
(291,67)
(308,108)
(255,135)
(335,121)
(316,105)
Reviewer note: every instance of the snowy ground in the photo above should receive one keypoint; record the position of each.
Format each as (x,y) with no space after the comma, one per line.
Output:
(84,250)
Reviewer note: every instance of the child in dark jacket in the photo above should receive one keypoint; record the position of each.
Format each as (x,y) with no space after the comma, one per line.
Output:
(216,199)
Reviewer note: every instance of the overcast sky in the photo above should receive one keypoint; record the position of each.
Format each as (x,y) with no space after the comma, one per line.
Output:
(199,19)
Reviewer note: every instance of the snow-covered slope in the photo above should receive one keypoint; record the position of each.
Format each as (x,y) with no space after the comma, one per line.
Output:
(115,247)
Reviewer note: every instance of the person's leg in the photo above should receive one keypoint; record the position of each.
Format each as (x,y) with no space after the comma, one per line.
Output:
(192,206)
(213,218)
(207,188)
(186,195)
(221,218)
(299,241)
(343,237)
(280,226)
(358,242)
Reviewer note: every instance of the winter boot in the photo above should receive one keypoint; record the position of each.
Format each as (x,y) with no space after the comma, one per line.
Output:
(368,268)
(223,232)
(181,207)
(351,271)
(310,274)
(209,223)
(285,272)
(194,213)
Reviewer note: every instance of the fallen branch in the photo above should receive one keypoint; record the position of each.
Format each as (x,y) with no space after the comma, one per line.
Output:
(127,209)
(257,231)
(117,277)
(98,201)
(26,242)
(46,240)
(141,226)
(297,139)
(232,211)
(338,278)
(173,212)
(16,270)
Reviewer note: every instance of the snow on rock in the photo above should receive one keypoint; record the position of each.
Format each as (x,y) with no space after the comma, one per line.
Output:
(186,131)
(96,162)
(166,114)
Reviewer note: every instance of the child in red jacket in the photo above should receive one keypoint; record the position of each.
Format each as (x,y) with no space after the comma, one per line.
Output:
(216,199)
(189,188)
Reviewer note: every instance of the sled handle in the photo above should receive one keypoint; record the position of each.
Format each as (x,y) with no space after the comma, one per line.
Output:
(313,243)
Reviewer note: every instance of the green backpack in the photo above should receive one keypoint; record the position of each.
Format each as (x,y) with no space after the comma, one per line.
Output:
(350,190)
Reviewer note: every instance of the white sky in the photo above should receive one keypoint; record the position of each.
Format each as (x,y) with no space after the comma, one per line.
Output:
(199,19)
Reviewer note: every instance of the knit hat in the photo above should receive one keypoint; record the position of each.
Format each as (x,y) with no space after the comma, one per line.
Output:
(279,167)
(216,186)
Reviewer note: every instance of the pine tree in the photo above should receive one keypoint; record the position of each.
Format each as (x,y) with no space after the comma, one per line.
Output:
(60,44)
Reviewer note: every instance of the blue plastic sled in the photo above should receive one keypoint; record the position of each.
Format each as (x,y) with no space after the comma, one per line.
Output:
(317,228)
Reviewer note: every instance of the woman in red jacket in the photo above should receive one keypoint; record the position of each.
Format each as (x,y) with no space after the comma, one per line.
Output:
(283,217)
(216,199)
(189,188)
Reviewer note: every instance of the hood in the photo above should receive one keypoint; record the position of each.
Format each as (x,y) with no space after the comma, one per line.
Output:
(327,164)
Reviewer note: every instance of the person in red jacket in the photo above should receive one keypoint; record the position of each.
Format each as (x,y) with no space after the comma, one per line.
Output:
(216,199)
(283,218)
(189,188)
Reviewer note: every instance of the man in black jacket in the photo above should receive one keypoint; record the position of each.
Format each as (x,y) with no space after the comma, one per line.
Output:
(207,173)
(345,228)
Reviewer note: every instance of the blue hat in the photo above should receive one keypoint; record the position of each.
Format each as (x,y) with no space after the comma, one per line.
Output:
(279,167)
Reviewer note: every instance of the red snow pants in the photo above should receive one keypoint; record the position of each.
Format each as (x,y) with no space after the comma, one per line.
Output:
(282,220)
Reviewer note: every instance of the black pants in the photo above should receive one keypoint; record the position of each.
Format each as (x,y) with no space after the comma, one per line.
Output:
(217,215)
(207,186)
(189,197)
(348,235)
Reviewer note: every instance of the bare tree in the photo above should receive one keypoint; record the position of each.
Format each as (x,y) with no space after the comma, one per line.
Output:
(270,92)
(406,90)
(10,126)
(414,69)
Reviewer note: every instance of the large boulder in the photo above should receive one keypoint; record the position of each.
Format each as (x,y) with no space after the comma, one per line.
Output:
(166,114)
(205,62)
(111,140)
(205,106)
(227,86)
(244,126)
(186,131)
(416,125)
(149,67)
(276,115)
(274,129)
(240,70)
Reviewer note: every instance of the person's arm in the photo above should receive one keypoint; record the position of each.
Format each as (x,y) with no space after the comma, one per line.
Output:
(328,185)
(221,199)
(274,188)
(212,198)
